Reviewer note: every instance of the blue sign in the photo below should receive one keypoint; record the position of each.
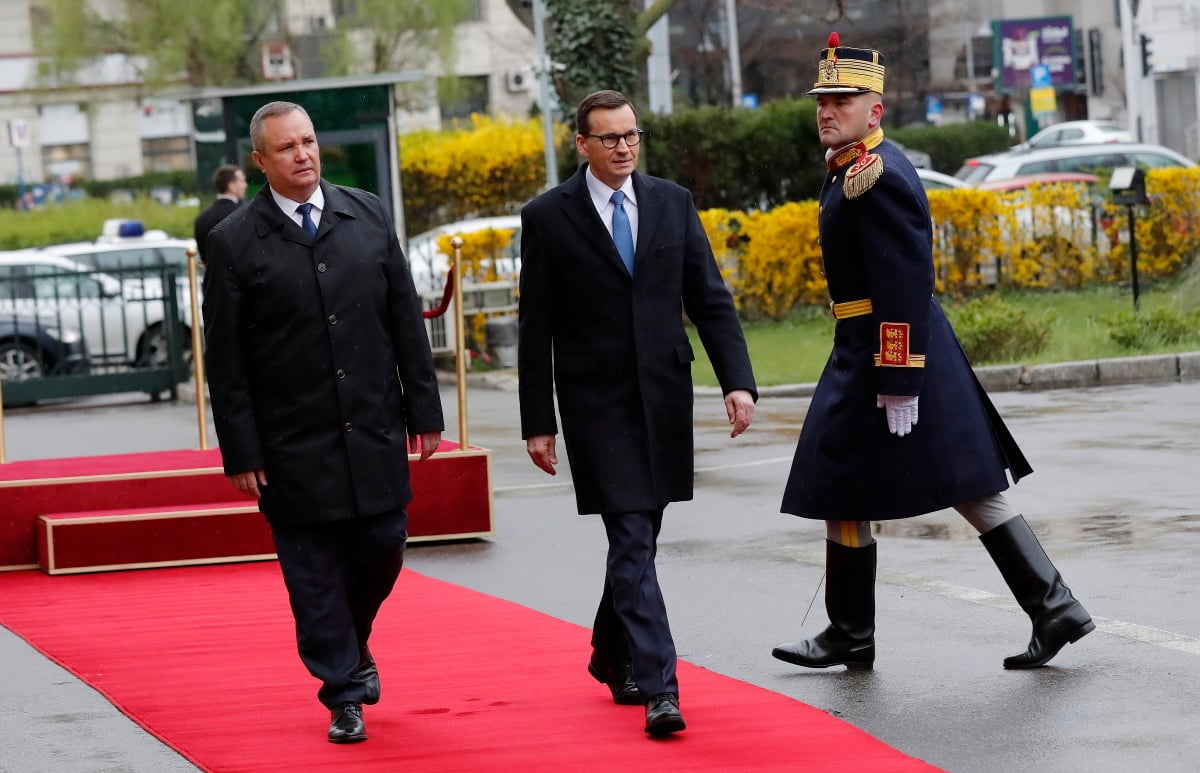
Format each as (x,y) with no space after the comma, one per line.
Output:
(933,108)
(750,101)
(1039,77)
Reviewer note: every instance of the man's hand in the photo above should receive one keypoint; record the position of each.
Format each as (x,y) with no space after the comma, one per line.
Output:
(739,405)
(425,444)
(249,482)
(541,451)
(901,412)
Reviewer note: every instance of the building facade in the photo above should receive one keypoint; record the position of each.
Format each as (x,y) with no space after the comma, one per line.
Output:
(104,124)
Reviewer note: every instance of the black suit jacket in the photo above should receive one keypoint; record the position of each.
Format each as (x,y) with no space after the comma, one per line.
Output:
(318,360)
(220,209)
(614,347)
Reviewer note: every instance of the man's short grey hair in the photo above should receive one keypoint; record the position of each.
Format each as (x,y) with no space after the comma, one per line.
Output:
(270,110)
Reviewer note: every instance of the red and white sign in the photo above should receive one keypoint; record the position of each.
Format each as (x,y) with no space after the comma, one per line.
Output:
(277,61)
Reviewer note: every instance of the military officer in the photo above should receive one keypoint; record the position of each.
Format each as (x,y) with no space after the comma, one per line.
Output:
(863,455)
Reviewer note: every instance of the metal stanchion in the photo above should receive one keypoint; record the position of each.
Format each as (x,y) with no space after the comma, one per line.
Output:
(3,457)
(198,352)
(460,343)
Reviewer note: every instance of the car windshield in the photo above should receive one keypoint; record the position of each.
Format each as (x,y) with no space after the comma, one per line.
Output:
(974,171)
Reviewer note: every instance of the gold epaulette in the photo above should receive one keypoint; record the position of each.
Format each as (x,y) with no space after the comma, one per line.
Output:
(862,174)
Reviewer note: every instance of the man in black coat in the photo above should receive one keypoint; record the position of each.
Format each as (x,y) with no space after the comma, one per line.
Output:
(230,182)
(611,260)
(322,381)
(862,454)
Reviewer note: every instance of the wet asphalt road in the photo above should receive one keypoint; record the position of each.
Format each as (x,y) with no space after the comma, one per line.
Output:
(1115,499)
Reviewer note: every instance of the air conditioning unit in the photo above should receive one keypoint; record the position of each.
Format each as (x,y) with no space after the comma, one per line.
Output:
(323,22)
(518,80)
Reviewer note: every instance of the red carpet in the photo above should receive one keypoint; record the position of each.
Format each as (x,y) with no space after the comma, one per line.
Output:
(204,658)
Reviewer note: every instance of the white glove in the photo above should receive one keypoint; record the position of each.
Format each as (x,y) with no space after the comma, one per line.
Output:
(901,412)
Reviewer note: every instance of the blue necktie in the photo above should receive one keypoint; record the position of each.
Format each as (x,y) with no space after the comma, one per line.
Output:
(622,231)
(306,222)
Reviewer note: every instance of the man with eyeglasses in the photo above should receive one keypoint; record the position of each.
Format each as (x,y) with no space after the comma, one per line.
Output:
(611,261)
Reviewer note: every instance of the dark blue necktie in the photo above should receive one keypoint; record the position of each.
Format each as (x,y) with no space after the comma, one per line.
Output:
(622,231)
(306,222)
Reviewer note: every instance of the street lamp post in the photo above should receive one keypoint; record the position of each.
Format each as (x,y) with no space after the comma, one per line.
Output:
(543,79)
(735,53)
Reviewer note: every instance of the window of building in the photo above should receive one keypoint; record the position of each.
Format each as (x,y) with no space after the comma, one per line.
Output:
(460,96)
(67,162)
(166,154)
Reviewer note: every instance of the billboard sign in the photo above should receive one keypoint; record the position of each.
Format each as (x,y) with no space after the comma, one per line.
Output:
(1023,46)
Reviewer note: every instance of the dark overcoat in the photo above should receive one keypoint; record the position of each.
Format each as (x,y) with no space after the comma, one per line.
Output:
(318,360)
(614,347)
(876,243)
(206,220)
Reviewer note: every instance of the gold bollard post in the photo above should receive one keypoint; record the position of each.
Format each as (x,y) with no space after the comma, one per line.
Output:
(460,343)
(198,351)
(3,458)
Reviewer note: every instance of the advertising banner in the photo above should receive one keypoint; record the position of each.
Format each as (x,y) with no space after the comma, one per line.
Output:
(1023,46)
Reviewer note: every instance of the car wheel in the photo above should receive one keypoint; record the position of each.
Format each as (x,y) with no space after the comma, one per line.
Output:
(152,349)
(19,362)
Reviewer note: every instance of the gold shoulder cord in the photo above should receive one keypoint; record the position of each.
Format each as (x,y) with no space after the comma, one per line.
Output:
(860,177)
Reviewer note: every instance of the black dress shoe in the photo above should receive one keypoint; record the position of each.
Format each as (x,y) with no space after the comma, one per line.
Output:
(619,680)
(662,715)
(346,724)
(367,672)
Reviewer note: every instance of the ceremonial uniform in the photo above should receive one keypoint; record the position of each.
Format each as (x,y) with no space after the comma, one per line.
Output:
(865,453)
(891,338)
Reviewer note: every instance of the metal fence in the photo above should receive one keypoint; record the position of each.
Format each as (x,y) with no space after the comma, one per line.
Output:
(76,333)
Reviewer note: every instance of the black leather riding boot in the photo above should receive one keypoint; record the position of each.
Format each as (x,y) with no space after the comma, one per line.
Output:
(849,640)
(1058,619)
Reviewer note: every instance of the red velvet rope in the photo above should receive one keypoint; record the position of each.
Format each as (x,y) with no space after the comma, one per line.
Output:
(447,294)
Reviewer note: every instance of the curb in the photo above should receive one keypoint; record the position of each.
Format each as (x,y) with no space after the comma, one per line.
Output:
(1143,369)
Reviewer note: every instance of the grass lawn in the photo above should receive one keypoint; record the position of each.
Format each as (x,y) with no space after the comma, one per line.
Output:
(795,350)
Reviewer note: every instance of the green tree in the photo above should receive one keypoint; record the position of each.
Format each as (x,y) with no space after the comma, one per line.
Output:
(202,44)
(600,44)
(376,36)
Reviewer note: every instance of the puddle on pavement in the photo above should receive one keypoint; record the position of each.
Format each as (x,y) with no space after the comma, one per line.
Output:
(1108,529)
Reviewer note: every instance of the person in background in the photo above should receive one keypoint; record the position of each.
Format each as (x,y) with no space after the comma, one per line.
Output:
(322,382)
(230,182)
(863,455)
(611,260)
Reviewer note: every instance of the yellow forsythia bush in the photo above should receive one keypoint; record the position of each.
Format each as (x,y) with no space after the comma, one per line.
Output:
(1044,236)
(1168,230)
(489,166)
(486,254)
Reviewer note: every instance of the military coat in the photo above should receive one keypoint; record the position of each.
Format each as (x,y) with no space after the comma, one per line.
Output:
(876,244)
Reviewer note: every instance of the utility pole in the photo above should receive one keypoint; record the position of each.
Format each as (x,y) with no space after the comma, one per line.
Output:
(1133,77)
(543,77)
(735,53)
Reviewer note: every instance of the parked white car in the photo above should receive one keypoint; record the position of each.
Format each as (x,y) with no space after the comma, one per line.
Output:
(126,244)
(1069,158)
(429,265)
(121,315)
(1078,133)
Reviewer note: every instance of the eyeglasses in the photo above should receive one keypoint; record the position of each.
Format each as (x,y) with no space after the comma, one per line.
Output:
(610,141)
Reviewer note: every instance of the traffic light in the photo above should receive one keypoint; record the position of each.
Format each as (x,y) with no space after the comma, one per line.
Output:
(1147,56)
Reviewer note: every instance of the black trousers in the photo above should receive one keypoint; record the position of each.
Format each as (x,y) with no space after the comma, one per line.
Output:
(337,576)
(631,621)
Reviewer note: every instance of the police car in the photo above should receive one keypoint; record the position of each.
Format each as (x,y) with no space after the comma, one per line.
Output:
(110,290)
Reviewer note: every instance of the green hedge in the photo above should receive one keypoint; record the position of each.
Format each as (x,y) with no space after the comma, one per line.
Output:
(78,221)
(949,146)
(758,159)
